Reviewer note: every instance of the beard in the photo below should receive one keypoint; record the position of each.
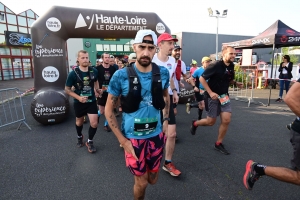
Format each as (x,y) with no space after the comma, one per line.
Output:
(85,64)
(144,61)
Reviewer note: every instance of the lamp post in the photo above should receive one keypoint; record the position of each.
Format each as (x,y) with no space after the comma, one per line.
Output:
(217,15)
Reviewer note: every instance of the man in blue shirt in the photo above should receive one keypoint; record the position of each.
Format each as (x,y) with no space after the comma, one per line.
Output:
(142,133)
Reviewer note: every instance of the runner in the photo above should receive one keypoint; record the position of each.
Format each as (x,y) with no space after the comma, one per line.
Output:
(198,88)
(166,44)
(105,72)
(142,135)
(255,170)
(219,75)
(85,81)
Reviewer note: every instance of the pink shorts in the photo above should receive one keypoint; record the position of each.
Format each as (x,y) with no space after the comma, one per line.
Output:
(149,152)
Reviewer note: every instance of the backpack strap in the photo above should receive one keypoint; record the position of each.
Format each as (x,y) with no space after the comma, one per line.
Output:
(156,88)
(79,82)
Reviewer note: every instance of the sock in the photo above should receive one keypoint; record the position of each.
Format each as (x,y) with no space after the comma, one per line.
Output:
(218,143)
(79,130)
(167,162)
(79,137)
(92,132)
(199,113)
(90,140)
(105,123)
(260,169)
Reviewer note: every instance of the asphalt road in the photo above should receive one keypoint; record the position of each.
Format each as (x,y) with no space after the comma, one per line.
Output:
(45,163)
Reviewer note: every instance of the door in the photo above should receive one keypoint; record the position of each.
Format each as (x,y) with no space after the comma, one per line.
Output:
(17,68)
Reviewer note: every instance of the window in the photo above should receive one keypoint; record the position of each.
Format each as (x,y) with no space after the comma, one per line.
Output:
(12,28)
(1,7)
(29,30)
(22,21)
(126,48)
(9,11)
(3,28)
(11,19)
(113,47)
(25,51)
(2,41)
(99,47)
(30,13)
(23,30)
(30,21)
(119,47)
(15,51)
(7,68)
(4,51)
(23,14)
(2,18)
(106,47)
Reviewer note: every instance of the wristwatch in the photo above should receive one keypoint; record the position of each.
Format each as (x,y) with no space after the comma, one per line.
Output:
(168,119)
(174,90)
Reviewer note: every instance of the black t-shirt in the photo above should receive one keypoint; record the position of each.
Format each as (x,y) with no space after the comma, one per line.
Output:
(219,76)
(104,75)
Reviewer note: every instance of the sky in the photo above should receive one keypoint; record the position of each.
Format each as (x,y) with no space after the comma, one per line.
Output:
(245,17)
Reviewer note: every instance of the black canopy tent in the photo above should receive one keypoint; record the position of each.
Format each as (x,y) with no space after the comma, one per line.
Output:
(276,36)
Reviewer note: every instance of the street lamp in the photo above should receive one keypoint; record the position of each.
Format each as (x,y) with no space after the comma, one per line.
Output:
(217,15)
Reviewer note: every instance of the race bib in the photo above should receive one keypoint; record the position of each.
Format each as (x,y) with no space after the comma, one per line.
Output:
(104,88)
(86,92)
(144,126)
(202,92)
(224,98)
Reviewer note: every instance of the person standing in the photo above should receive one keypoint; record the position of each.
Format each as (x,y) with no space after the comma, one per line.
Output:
(255,170)
(105,72)
(179,71)
(194,67)
(85,81)
(165,44)
(285,69)
(142,135)
(218,75)
(198,88)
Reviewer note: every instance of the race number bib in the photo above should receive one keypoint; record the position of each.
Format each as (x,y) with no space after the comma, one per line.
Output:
(144,126)
(104,87)
(202,91)
(86,92)
(224,99)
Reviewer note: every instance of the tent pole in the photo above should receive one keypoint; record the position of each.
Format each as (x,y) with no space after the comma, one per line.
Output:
(271,73)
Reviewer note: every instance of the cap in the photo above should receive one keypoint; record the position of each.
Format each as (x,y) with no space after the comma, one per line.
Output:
(132,56)
(166,37)
(139,38)
(100,60)
(194,62)
(176,46)
(205,58)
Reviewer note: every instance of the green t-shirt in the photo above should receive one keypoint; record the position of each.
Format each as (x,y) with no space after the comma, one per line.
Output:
(88,85)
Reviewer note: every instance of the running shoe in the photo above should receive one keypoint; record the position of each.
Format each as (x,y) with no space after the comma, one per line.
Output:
(90,146)
(80,142)
(250,175)
(278,100)
(171,169)
(188,108)
(193,128)
(221,148)
(107,128)
(289,126)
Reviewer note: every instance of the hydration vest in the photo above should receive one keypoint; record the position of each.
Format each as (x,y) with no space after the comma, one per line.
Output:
(79,81)
(178,70)
(131,102)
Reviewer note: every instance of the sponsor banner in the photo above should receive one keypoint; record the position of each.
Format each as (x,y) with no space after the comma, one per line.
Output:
(50,74)
(17,39)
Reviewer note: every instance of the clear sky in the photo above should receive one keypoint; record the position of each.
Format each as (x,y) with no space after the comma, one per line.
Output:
(245,17)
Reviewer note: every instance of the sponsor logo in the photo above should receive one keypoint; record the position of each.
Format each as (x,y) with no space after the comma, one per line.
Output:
(87,44)
(111,23)
(283,39)
(291,32)
(41,110)
(259,41)
(160,28)
(53,24)
(17,39)
(50,74)
(44,52)
(169,66)
(294,39)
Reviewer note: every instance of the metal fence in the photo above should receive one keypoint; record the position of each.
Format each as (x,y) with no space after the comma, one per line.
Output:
(11,108)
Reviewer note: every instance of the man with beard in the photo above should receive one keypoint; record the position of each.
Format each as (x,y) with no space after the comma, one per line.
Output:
(180,70)
(84,79)
(143,132)
(219,75)
(105,72)
(166,44)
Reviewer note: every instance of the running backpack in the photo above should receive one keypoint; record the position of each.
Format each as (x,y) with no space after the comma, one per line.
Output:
(79,81)
(178,70)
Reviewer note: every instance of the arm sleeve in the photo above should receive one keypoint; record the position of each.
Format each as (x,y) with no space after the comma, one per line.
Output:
(209,71)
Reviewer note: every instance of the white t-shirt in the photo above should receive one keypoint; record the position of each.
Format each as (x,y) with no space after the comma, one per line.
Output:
(183,71)
(170,65)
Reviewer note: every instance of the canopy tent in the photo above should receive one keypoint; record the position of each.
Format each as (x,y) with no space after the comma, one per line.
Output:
(277,35)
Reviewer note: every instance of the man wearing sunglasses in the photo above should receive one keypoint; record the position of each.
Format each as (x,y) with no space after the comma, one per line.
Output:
(218,76)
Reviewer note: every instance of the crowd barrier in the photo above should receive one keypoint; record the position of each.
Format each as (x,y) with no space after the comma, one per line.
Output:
(12,108)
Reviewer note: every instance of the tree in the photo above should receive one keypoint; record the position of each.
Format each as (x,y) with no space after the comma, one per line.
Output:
(285,51)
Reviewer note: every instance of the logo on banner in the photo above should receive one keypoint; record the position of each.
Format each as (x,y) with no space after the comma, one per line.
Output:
(160,28)
(45,52)
(291,32)
(41,110)
(118,23)
(53,24)
(283,39)
(294,39)
(50,74)
(259,41)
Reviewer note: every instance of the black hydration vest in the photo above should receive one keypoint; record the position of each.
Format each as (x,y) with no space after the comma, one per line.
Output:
(130,103)
(79,81)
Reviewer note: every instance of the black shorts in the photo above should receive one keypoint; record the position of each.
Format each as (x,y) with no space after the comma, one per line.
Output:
(82,109)
(199,97)
(295,141)
(102,101)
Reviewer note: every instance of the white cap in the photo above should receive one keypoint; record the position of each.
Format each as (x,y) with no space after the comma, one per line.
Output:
(132,56)
(100,60)
(142,33)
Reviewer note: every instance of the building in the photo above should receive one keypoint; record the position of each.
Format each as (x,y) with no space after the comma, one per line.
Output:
(197,45)
(15,44)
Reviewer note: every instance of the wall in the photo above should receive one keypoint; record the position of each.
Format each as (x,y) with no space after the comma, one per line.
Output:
(74,45)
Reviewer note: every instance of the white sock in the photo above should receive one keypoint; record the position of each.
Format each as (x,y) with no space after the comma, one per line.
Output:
(90,140)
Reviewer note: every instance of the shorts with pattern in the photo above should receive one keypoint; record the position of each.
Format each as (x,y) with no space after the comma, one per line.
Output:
(149,152)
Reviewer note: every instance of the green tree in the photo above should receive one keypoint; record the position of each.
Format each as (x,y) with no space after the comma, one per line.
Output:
(285,51)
